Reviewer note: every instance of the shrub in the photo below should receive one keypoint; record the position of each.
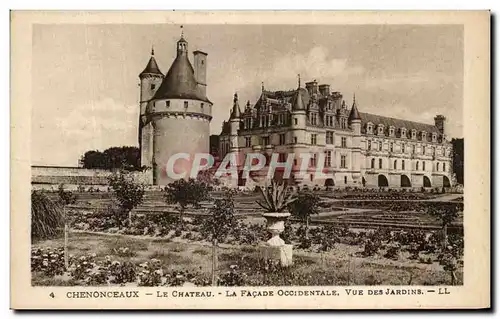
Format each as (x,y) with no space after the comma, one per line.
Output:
(47,219)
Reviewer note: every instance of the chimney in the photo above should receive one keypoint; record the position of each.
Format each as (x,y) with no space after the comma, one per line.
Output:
(312,87)
(200,70)
(324,89)
(439,123)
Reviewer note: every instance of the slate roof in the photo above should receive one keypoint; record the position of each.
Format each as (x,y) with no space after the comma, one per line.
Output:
(397,123)
(151,67)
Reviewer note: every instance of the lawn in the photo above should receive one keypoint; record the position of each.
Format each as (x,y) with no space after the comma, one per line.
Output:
(241,265)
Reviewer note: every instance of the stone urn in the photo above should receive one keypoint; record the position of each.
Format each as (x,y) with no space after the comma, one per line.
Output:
(276,248)
(275,223)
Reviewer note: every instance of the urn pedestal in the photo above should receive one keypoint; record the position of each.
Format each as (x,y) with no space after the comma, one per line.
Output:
(275,248)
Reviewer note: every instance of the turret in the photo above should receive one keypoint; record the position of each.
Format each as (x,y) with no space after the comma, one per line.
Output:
(151,78)
(234,121)
(355,118)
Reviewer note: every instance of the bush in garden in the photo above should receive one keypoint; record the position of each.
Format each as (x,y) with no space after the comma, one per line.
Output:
(128,193)
(47,219)
(232,278)
(185,193)
(371,248)
(48,261)
(393,251)
(121,273)
(150,273)
(305,205)
(446,212)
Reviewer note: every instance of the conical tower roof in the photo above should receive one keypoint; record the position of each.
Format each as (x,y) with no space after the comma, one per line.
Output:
(236,112)
(180,83)
(152,66)
(354,115)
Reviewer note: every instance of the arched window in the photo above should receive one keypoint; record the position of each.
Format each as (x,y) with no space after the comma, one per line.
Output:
(395,164)
(403,164)
(437,167)
(379,163)
(416,167)
(373,163)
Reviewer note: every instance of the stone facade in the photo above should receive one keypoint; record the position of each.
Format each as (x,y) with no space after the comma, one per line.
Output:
(357,149)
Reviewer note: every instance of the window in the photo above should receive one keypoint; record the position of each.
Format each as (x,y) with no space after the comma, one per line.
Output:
(202,105)
(369,145)
(281,119)
(167,103)
(314,160)
(444,167)
(343,161)
(379,163)
(392,147)
(345,179)
(416,167)
(329,120)
(403,164)
(413,134)
(423,165)
(295,139)
(395,164)
(248,123)
(281,157)
(380,146)
(437,167)
(329,137)
(248,141)
(373,163)
(434,137)
(413,149)
(185,104)
(403,133)
(369,128)
(313,119)
(295,120)
(423,149)
(343,142)
(391,131)
(153,86)
(380,129)
(265,140)
(328,158)
(282,139)
(403,148)
(314,138)
(343,123)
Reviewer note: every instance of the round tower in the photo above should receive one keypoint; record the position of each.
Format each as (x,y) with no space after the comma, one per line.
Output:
(355,122)
(298,128)
(180,114)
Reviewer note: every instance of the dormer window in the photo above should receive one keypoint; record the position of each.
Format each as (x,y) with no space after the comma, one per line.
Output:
(391,130)
(434,137)
(423,136)
(413,134)
(369,128)
(403,132)
(380,129)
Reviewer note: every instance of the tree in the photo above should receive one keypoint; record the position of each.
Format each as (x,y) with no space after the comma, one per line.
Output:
(66,198)
(307,204)
(128,193)
(124,157)
(446,212)
(186,193)
(47,219)
(218,225)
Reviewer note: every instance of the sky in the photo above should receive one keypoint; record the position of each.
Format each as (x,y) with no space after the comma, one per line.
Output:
(85,77)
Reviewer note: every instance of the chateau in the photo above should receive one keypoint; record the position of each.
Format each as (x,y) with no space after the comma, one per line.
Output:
(357,149)
(175,112)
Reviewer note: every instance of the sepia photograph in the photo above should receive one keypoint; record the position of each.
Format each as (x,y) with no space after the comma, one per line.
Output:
(184,157)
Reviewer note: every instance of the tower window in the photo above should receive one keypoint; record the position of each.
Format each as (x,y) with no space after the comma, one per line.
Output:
(373,163)
(202,105)
(295,120)
(186,104)
(153,86)
(379,163)
(345,179)
(403,164)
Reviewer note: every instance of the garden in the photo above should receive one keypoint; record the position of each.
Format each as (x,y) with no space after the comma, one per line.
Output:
(115,246)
